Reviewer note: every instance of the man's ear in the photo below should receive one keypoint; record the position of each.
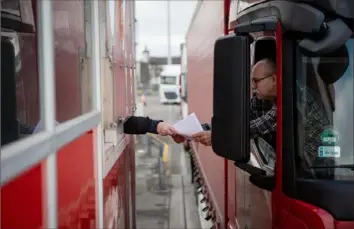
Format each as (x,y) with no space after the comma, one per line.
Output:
(274,77)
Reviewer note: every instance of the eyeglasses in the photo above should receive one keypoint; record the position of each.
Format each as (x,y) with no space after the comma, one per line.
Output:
(255,81)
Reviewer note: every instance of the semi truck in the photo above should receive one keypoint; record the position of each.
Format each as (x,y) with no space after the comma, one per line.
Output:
(169,89)
(242,182)
(67,84)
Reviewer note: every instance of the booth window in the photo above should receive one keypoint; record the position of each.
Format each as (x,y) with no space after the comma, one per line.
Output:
(109,66)
(72,38)
(19,75)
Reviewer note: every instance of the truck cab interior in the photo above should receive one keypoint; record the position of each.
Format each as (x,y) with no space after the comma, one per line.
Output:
(263,150)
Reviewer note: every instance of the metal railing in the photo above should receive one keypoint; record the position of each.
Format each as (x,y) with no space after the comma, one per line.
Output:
(163,155)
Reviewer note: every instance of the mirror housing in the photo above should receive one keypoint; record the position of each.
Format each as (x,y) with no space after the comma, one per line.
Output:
(231,98)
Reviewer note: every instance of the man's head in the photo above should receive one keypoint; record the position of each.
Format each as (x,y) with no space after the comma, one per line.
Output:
(263,78)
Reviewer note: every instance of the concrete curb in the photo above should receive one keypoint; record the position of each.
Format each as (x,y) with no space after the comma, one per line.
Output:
(177,219)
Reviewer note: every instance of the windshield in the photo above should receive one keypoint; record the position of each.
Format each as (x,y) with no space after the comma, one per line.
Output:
(324,102)
(168,80)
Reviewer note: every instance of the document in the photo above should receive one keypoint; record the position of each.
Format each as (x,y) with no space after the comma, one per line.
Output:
(188,126)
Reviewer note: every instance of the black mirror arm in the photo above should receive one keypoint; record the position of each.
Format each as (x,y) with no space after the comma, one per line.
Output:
(263,182)
(250,169)
(258,176)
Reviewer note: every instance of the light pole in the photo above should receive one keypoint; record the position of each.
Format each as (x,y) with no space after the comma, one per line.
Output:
(169,59)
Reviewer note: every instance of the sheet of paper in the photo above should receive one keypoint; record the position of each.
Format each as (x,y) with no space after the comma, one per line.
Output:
(188,126)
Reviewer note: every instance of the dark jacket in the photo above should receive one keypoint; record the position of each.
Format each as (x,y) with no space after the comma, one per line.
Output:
(140,125)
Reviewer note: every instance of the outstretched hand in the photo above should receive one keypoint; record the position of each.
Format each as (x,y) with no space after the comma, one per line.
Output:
(165,129)
(203,137)
(178,138)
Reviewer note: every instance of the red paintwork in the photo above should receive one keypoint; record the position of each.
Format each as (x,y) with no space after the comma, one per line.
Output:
(236,202)
(23,193)
(23,198)
(115,200)
(278,197)
(76,184)
(344,225)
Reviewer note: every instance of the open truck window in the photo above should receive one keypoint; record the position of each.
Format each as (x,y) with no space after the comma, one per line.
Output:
(324,103)
(263,148)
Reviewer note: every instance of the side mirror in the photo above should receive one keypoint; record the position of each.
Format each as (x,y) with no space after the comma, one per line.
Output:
(230,121)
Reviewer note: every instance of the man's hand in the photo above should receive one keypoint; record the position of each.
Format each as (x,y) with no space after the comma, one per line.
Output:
(165,129)
(178,138)
(203,137)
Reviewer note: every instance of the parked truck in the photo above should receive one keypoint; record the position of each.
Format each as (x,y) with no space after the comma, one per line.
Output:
(241,182)
(169,89)
(67,83)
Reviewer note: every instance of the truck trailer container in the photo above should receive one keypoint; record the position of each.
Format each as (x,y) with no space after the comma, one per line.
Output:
(67,83)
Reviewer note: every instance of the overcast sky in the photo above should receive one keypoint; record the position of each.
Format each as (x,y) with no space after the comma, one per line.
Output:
(152,25)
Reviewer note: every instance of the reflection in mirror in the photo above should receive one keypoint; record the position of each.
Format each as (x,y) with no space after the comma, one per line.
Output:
(10,128)
(19,86)
(73,60)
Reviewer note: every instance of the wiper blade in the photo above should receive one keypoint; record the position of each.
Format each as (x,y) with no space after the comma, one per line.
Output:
(349,166)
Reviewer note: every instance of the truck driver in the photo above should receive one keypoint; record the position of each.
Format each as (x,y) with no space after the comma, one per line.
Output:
(263,114)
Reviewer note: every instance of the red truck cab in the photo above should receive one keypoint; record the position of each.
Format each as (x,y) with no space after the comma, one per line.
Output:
(312,182)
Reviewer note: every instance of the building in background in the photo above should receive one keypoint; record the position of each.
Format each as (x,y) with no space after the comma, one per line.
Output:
(149,69)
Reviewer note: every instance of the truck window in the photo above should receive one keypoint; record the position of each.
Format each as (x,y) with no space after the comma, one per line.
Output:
(168,80)
(324,102)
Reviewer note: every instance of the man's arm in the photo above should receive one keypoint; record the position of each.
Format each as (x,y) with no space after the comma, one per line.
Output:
(140,125)
(264,125)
